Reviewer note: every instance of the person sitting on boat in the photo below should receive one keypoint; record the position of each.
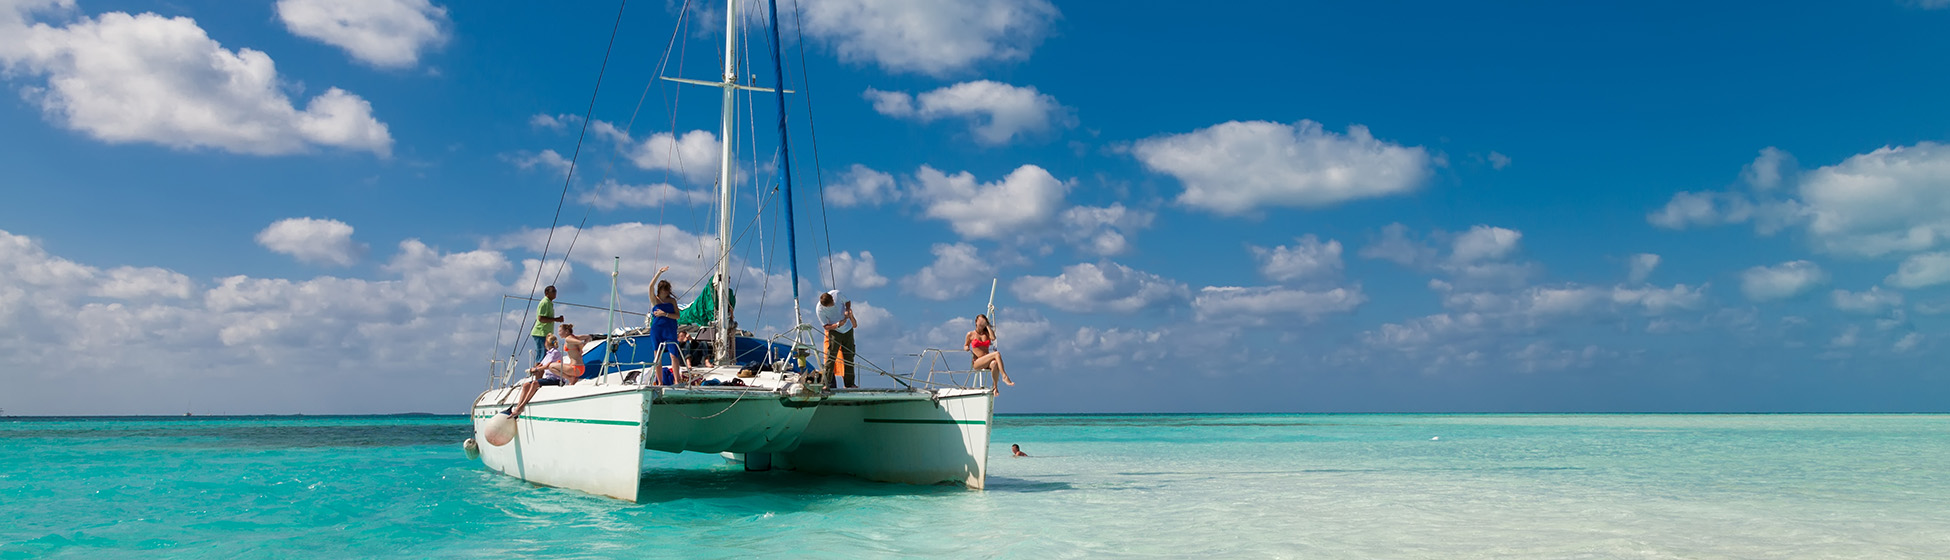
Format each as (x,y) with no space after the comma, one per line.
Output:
(570,367)
(980,342)
(663,322)
(693,351)
(544,373)
(836,315)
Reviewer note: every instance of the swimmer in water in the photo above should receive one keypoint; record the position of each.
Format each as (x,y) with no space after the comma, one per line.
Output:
(1016,450)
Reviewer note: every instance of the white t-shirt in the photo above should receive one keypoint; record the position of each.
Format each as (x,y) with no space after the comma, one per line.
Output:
(834,313)
(553,355)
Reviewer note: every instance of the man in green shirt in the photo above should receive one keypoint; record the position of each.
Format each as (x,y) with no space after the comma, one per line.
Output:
(544,315)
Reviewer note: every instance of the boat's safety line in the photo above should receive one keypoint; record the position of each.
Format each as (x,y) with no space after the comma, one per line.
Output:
(922,421)
(572,420)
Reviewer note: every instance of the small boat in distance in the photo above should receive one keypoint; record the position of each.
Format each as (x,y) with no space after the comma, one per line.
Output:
(762,403)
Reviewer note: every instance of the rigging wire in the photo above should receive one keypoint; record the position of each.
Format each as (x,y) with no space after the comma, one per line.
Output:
(819,172)
(628,127)
(570,175)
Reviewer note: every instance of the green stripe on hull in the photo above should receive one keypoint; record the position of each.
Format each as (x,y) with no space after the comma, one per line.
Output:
(574,420)
(910,421)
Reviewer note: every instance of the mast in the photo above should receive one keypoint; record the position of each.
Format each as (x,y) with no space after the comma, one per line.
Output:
(785,170)
(730,84)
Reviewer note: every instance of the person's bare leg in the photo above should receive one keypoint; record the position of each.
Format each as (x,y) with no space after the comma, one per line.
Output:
(999,370)
(527,392)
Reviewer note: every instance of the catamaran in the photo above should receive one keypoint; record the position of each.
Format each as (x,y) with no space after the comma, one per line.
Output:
(763,404)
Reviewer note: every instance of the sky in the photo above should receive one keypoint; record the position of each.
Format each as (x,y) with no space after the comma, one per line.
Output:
(316,207)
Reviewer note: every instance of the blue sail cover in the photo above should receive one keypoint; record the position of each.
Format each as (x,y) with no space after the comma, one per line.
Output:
(785,157)
(634,352)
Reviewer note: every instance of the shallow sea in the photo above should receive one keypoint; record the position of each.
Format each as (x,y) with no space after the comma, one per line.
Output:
(1303,486)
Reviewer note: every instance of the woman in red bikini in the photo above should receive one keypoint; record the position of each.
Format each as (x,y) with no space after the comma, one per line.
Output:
(980,342)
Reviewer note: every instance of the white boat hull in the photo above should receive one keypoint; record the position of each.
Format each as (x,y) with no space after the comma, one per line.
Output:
(583,437)
(915,441)
(591,438)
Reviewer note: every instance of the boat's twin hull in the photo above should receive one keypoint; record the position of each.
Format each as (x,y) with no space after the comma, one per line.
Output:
(592,438)
(916,441)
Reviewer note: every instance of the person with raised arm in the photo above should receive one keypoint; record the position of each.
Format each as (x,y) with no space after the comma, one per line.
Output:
(663,323)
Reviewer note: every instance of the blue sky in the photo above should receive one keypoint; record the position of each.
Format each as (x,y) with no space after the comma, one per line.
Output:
(301,207)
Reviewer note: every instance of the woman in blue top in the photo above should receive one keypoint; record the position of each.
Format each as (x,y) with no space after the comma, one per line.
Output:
(663,319)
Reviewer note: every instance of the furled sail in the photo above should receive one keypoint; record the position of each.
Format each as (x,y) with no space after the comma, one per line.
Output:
(704,310)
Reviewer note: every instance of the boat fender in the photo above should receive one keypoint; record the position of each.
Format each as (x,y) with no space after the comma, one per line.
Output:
(800,390)
(499,430)
(471,449)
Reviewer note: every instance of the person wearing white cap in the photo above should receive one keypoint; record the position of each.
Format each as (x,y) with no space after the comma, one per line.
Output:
(836,315)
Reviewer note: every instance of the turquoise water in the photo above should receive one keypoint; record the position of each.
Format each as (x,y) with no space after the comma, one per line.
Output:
(1314,486)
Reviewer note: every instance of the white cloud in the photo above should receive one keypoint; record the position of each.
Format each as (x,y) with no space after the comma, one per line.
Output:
(1700,209)
(1106,230)
(871,317)
(1890,200)
(1237,167)
(1769,170)
(545,159)
(996,112)
(1757,202)
(1308,258)
(1482,256)
(1257,305)
(1115,347)
(1499,161)
(1847,339)
(1425,332)
(611,195)
(935,37)
(1091,288)
(123,78)
(131,283)
(383,33)
(1872,302)
(1642,265)
(643,247)
(1543,356)
(956,271)
(244,344)
(853,273)
(1020,204)
(861,186)
(1917,271)
(1398,247)
(1539,305)
(312,240)
(1484,327)
(1782,281)
(553,122)
(1909,341)
(693,156)
(1484,243)
(1655,301)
